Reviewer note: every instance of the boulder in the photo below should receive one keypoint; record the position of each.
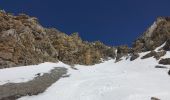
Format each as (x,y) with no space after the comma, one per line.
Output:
(165,61)
(134,56)
(154,98)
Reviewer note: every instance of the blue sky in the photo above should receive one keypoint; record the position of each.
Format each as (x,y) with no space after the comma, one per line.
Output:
(113,22)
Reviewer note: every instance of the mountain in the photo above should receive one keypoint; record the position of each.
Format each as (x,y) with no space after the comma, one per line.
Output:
(23,41)
(155,36)
(38,63)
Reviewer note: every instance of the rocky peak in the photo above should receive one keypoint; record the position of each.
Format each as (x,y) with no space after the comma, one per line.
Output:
(157,34)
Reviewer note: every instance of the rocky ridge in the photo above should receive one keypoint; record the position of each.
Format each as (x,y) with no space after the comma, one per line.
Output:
(155,36)
(23,41)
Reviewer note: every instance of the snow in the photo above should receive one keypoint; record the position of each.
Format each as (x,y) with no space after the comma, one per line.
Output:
(151,29)
(26,73)
(160,47)
(124,80)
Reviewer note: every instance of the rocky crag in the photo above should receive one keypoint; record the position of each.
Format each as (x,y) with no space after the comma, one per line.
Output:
(23,41)
(157,35)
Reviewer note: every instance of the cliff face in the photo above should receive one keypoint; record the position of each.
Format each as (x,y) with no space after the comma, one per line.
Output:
(23,41)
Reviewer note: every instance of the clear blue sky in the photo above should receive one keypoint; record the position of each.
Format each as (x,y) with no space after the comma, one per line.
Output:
(113,22)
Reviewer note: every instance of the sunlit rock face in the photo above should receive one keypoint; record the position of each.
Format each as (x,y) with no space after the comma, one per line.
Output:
(23,41)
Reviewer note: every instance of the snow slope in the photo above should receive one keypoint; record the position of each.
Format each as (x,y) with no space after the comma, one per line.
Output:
(124,80)
(26,73)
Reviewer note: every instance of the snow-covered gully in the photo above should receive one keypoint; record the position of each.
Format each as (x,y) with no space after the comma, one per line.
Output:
(124,80)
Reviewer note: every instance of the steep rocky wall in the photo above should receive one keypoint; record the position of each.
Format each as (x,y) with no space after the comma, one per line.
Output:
(23,41)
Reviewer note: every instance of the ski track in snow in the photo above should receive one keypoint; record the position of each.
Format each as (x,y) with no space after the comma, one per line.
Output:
(124,80)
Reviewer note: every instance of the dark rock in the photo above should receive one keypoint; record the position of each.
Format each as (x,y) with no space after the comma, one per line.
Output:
(154,98)
(158,55)
(154,54)
(167,45)
(122,51)
(134,56)
(158,66)
(165,61)
(169,72)
(150,54)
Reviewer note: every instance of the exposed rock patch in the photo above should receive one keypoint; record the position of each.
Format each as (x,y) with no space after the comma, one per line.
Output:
(134,56)
(165,61)
(154,54)
(167,45)
(123,50)
(12,91)
(154,98)
(158,66)
(169,72)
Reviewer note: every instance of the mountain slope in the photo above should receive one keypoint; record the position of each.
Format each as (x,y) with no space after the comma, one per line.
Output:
(125,80)
(156,35)
(124,73)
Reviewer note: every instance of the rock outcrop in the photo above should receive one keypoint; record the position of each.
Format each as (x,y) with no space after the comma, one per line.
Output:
(154,54)
(154,98)
(23,41)
(72,50)
(134,56)
(155,36)
(165,61)
(123,50)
